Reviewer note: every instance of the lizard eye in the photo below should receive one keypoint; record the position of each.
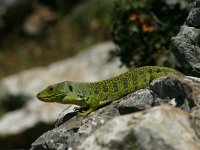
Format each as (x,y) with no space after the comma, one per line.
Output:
(70,88)
(51,89)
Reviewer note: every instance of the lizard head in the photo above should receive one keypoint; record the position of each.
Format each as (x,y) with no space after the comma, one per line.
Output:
(63,92)
(54,93)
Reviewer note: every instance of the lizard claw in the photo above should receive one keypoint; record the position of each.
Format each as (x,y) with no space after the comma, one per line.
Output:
(76,109)
(85,113)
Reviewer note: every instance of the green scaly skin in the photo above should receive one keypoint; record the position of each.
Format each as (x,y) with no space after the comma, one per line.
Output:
(90,96)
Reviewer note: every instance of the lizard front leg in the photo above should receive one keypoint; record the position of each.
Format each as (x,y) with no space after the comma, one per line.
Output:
(93,104)
(86,112)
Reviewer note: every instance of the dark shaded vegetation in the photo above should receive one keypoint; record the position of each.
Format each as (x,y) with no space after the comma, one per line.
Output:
(143,31)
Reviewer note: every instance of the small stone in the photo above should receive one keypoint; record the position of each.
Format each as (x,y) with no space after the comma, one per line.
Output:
(102,121)
(136,101)
(94,123)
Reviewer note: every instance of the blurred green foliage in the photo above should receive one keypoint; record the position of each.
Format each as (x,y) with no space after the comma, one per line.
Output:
(143,30)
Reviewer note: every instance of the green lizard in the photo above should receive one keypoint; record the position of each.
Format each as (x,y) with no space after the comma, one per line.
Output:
(90,96)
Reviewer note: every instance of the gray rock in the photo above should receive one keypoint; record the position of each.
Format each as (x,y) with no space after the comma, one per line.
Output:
(196,121)
(185,45)
(180,92)
(79,129)
(136,101)
(173,91)
(158,128)
(194,14)
(75,130)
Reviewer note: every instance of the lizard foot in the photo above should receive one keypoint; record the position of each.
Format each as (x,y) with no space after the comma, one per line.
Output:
(85,113)
(80,109)
(76,109)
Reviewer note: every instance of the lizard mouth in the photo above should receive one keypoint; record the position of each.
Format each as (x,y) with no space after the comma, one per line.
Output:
(49,97)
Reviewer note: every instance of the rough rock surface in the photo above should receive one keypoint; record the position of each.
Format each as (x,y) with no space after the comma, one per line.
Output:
(71,131)
(90,65)
(160,128)
(183,93)
(185,45)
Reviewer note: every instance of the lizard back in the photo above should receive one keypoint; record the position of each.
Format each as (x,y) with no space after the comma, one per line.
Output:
(135,79)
